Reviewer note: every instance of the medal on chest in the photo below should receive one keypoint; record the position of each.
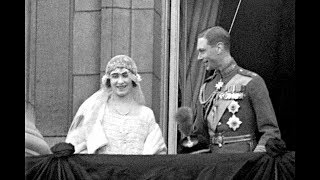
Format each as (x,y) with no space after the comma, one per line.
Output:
(219,85)
(233,92)
(234,122)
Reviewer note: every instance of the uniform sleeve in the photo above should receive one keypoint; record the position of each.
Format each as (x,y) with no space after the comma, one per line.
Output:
(265,115)
(154,143)
(200,126)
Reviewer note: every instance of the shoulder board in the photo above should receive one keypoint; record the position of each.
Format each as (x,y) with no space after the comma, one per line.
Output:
(246,72)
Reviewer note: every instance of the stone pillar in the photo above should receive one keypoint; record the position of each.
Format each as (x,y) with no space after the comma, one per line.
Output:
(26,47)
(86,50)
(51,66)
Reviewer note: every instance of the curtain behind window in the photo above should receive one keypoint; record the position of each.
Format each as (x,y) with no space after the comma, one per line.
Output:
(196,16)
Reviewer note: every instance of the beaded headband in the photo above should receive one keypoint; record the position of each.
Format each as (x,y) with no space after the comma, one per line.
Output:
(122,61)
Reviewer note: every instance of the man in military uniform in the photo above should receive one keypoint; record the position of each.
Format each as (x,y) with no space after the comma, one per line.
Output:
(237,111)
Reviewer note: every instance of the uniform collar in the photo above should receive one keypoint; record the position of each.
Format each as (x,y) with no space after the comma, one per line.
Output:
(228,69)
(224,72)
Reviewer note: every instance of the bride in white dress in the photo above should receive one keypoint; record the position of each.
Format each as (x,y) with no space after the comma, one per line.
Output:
(115,120)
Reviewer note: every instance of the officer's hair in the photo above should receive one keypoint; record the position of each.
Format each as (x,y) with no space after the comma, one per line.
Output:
(216,34)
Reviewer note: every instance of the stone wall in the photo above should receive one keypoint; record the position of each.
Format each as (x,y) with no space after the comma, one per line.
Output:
(68,44)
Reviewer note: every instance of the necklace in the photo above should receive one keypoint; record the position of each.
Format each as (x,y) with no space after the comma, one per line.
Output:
(121,112)
(121,107)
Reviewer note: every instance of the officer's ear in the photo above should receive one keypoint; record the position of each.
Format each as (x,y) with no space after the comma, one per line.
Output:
(220,47)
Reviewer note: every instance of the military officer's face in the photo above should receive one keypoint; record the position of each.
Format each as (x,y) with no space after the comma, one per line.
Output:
(209,55)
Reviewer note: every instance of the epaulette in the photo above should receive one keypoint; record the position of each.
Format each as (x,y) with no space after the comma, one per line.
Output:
(246,72)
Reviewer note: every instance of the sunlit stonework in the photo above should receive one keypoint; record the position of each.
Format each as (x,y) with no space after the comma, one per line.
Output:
(234,122)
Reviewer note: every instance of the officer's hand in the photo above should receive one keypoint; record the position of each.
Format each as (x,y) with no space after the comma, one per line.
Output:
(260,148)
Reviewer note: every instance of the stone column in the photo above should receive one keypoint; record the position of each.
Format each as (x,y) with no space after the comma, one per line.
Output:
(50,66)
(86,50)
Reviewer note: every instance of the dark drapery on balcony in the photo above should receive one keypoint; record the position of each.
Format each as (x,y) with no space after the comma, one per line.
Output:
(277,163)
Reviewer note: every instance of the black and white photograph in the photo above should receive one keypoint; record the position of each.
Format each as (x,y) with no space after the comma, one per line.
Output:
(160,89)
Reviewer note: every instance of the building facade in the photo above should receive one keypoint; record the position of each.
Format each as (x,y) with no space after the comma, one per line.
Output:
(69,42)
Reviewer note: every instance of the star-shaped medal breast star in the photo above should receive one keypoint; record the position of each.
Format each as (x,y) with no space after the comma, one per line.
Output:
(234,122)
(233,107)
(219,85)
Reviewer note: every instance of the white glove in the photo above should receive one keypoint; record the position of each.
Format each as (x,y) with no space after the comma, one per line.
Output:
(260,148)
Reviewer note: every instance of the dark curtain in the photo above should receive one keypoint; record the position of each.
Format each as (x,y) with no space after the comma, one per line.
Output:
(196,16)
(285,87)
(63,164)
(262,40)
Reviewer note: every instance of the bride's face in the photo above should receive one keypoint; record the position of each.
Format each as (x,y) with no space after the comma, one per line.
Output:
(121,84)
